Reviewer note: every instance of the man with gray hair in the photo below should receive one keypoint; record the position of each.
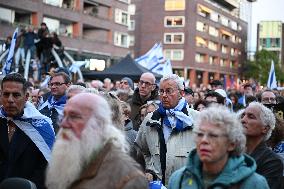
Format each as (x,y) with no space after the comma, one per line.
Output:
(258,122)
(165,136)
(89,151)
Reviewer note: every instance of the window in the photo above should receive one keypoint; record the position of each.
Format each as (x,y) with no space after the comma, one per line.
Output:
(131,40)
(224,21)
(121,39)
(214,16)
(174,21)
(222,62)
(200,42)
(200,57)
(212,46)
(213,60)
(224,49)
(213,31)
(174,54)
(174,5)
(121,17)
(203,11)
(200,26)
(132,25)
(125,1)
(132,9)
(234,25)
(173,38)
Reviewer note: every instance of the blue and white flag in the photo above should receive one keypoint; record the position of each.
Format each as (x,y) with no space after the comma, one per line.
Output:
(154,61)
(153,56)
(7,67)
(163,68)
(52,103)
(271,83)
(75,67)
(36,126)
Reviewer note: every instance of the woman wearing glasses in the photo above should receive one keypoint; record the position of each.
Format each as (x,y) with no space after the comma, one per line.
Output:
(218,160)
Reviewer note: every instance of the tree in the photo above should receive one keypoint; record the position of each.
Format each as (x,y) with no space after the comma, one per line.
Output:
(260,67)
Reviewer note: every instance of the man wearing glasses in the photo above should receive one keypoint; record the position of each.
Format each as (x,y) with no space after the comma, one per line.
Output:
(54,105)
(146,91)
(165,136)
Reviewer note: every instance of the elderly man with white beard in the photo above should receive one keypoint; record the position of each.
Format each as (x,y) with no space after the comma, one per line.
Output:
(89,151)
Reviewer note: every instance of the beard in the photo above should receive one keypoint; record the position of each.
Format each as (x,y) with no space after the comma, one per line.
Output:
(69,157)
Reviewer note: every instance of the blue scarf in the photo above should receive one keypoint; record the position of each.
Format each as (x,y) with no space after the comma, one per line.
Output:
(58,105)
(175,118)
(36,126)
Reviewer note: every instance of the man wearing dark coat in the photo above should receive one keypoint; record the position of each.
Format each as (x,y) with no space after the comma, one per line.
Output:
(146,91)
(26,136)
(258,122)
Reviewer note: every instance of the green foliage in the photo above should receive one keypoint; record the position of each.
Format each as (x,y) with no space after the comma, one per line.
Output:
(260,67)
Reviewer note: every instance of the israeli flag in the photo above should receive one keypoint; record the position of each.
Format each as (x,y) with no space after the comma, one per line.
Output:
(271,83)
(163,68)
(7,67)
(153,56)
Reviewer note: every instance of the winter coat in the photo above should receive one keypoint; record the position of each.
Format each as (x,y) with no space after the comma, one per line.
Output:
(135,104)
(239,172)
(111,169)
(269,165)
(178,146)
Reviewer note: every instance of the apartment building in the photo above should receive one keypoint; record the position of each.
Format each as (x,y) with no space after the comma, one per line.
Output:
(95,29)
(270,36)
(204,39)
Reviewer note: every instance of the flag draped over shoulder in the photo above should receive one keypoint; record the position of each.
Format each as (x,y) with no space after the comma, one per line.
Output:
(271,83)
(7,67)
(154,61)
(37,127)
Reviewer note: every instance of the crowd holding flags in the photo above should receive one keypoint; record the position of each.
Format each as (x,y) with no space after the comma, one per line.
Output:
(154,61)
(271,83)
(7,67)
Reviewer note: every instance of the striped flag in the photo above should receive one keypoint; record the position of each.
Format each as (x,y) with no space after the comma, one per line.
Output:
(154,61)
(153,56)
(7,67)
(271,83)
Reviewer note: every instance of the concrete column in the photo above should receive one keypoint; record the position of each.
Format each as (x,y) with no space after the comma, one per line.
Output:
(205,79)
(77,30)
(192,77)
(216,76)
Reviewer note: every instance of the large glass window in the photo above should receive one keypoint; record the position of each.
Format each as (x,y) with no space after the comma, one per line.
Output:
(174,38)
(174,5)
(174,54)
(121,17)
(174,21)
(200,57)
(121,39)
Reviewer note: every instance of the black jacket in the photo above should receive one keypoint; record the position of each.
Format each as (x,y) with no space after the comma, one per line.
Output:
(20,157)
(269,165)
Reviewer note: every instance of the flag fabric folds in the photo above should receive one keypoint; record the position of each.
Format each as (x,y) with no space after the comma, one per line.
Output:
(154,61)
(271,83)
(7,67)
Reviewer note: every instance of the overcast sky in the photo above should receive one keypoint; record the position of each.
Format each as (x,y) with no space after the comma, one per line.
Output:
(264,10)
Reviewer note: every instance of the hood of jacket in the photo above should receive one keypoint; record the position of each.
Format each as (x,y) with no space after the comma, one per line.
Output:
(236,169)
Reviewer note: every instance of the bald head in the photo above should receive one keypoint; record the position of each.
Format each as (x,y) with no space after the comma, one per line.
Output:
(148,76)
(146,85)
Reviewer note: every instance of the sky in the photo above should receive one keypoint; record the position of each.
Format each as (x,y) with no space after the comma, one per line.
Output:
(265,10)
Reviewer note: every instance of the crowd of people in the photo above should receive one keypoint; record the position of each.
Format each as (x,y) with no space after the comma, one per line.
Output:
(33,46)
(149,134)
